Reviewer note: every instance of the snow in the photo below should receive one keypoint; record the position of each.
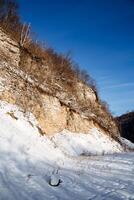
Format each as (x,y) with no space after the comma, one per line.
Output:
(29,161)
(94,143)
(127,143)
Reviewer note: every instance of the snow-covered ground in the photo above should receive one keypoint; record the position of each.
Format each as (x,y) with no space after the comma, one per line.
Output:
(30,162)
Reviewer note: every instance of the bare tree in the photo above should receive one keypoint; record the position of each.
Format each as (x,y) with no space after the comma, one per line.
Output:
(25,34)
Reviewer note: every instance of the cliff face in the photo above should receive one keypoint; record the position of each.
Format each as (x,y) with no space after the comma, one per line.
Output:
(53,116)
(56,107)
(9,49)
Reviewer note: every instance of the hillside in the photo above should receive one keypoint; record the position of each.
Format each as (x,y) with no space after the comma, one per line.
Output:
(50,133)
(126,125)
(32,84)
(58,139)
(54,131)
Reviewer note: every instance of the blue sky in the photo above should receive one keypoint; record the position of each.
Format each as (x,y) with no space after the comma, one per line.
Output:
(100,35)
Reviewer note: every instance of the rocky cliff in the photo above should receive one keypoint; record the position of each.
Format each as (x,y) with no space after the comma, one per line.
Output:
(53,103)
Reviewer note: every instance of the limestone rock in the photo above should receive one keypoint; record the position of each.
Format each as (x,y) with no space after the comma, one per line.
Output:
(9,48)
(55,106)
(85,93)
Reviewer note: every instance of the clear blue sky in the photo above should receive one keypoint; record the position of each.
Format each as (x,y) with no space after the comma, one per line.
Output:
(100,35)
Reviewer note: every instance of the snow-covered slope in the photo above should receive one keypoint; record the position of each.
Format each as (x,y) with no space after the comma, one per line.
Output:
(94,143)
(30,162)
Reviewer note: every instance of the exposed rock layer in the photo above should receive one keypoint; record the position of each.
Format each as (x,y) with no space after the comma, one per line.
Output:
(53,105)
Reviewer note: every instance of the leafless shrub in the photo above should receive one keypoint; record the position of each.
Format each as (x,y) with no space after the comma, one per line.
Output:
(9,18)
(25,35)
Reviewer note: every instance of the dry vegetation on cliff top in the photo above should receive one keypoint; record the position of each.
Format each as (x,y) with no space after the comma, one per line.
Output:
(63,70)
(61,65)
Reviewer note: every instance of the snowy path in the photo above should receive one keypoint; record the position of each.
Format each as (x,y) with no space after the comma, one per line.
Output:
(110,177)
(28,161)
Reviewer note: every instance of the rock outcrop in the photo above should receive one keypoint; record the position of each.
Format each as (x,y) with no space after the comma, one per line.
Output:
(53,116)
(9,49)
(53,105)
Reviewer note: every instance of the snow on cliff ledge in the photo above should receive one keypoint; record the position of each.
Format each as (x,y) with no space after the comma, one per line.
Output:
(28,161)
